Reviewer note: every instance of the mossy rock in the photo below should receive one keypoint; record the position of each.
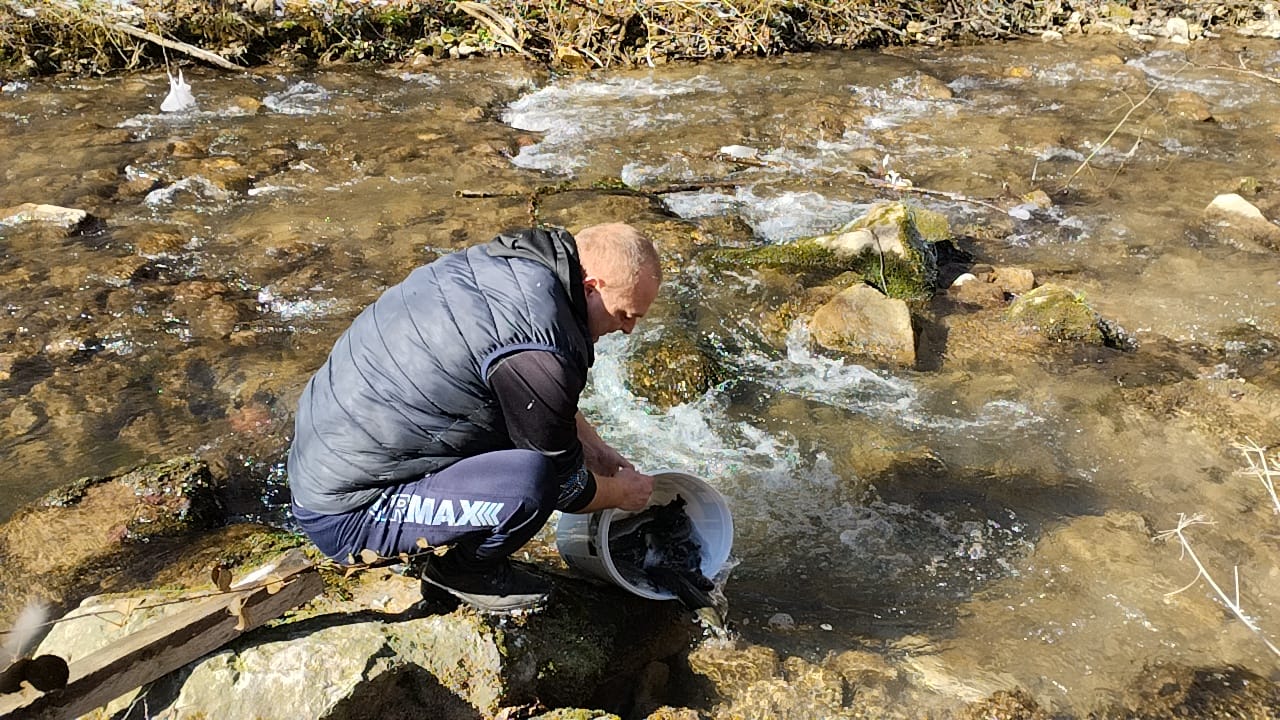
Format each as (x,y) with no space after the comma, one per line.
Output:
(890,247)
(904,236)
(672,370)
(1058,313)
(173,497)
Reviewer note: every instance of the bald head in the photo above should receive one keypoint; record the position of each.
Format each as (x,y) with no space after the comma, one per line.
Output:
(620,277)
(618,253)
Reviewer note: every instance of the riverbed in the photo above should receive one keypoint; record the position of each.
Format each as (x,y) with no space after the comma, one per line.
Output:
(984,521)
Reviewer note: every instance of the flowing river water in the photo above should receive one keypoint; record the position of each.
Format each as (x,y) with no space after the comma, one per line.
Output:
(984,522)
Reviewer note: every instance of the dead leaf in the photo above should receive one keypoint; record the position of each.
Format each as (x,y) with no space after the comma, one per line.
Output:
(222,578)
(369,557)
(274,585)
(237,608)
(422,543)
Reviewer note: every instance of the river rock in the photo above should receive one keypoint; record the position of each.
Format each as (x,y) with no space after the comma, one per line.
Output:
(1058,313)
(23,419)
(7,361)
(69,219)
(1240,220)
(1190,105)
(987,286)
(752,683)
(971,290)
(892,245)
(893,228)
(862,321)
(729,667)
(1015,704)
(224,173)
(671,370)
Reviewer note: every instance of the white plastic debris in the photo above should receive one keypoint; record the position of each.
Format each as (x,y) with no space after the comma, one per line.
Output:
(179,97)
(740,152)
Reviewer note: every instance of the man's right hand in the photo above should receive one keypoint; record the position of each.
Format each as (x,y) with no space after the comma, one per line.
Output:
(627,490)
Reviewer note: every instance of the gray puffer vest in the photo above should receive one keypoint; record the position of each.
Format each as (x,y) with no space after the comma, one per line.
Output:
(404,391)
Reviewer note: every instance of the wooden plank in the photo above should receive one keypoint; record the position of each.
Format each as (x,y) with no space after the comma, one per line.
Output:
(170,643)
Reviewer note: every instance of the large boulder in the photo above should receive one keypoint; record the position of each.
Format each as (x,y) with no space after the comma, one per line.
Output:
(860,320)
(892,247)
(897,229)
(372,650)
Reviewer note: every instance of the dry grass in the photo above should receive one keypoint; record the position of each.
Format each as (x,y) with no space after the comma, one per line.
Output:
(81,37)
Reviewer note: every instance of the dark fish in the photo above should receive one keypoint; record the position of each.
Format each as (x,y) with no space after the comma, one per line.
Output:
(659,545)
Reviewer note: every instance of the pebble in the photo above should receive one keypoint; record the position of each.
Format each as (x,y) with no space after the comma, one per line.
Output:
(782,621)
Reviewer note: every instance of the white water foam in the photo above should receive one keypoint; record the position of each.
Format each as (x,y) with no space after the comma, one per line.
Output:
(291,309)
(1219,89)
(576,116)
(195,184)
(776,218)
(301,98)
(902,102)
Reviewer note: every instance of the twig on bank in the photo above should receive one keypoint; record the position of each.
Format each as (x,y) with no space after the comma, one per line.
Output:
(954,197)
(200,54)
(1233,604)
(1266,470)
(713,184)
(499,25)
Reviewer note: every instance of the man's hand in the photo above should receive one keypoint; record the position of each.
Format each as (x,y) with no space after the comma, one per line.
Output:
(599,457)
(625,490)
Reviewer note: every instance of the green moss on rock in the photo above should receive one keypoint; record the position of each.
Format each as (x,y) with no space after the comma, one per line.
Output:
(890,247)
(1058,313)
(803,257)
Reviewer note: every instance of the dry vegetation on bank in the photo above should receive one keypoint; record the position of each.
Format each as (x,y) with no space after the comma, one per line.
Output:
(91,37)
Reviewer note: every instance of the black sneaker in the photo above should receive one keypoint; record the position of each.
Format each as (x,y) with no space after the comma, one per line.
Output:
(494,587)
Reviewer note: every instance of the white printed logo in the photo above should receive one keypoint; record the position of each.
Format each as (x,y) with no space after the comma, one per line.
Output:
(427,511)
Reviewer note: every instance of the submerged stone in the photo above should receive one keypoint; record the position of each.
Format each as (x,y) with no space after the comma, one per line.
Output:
(673,370)
(68,219)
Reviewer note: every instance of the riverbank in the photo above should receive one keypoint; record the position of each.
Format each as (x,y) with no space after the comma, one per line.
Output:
(100,37)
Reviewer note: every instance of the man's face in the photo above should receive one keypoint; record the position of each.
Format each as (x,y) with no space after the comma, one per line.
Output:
(617,306)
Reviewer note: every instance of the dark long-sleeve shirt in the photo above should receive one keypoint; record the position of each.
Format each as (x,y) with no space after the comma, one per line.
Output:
(539,398)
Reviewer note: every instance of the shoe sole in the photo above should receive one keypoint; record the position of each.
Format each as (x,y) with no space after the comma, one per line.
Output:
(513,603)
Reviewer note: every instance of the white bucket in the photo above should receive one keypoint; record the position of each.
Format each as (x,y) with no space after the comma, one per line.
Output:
(583,540)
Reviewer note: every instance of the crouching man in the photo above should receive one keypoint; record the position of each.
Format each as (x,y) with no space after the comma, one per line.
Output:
(448,411)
